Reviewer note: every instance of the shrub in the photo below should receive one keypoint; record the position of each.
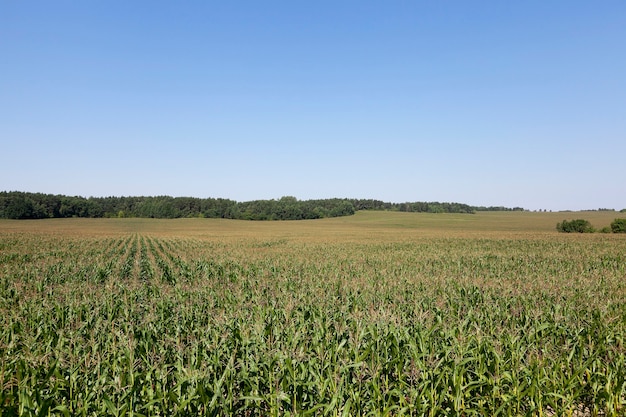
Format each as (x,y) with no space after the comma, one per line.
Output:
(618,226)
(575,226)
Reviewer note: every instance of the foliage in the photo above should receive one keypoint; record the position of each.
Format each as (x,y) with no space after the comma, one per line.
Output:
(426,207)
(575,226)
(258,325)
(18,205)
(21,205)
(497,208)
(618,226)
(435,207)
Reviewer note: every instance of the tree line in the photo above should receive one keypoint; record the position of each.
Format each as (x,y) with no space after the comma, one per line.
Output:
(584,226)
(24,205)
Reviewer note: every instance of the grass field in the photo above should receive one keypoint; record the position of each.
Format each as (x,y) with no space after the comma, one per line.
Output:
(375,314)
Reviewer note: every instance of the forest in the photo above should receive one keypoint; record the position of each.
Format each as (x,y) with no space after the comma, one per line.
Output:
(26,205)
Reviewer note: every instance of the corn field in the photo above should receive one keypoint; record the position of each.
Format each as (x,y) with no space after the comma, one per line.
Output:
(144,324)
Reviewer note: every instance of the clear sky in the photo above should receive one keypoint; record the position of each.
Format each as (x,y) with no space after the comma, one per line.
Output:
(514,103)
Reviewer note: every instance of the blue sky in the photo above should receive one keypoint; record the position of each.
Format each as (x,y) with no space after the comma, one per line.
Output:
(485,103)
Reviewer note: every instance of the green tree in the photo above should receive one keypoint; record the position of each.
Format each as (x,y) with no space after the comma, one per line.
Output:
(19,207)
(575,226)
(618,226)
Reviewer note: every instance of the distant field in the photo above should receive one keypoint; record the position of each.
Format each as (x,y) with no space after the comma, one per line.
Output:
(381,313)
(362,223)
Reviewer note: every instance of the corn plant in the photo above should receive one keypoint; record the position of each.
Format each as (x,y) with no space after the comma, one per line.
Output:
(156,325)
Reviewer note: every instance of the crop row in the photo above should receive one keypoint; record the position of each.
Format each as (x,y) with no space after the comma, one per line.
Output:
(164,326)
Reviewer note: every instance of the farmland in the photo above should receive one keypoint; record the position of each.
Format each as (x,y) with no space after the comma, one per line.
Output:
(379,313)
